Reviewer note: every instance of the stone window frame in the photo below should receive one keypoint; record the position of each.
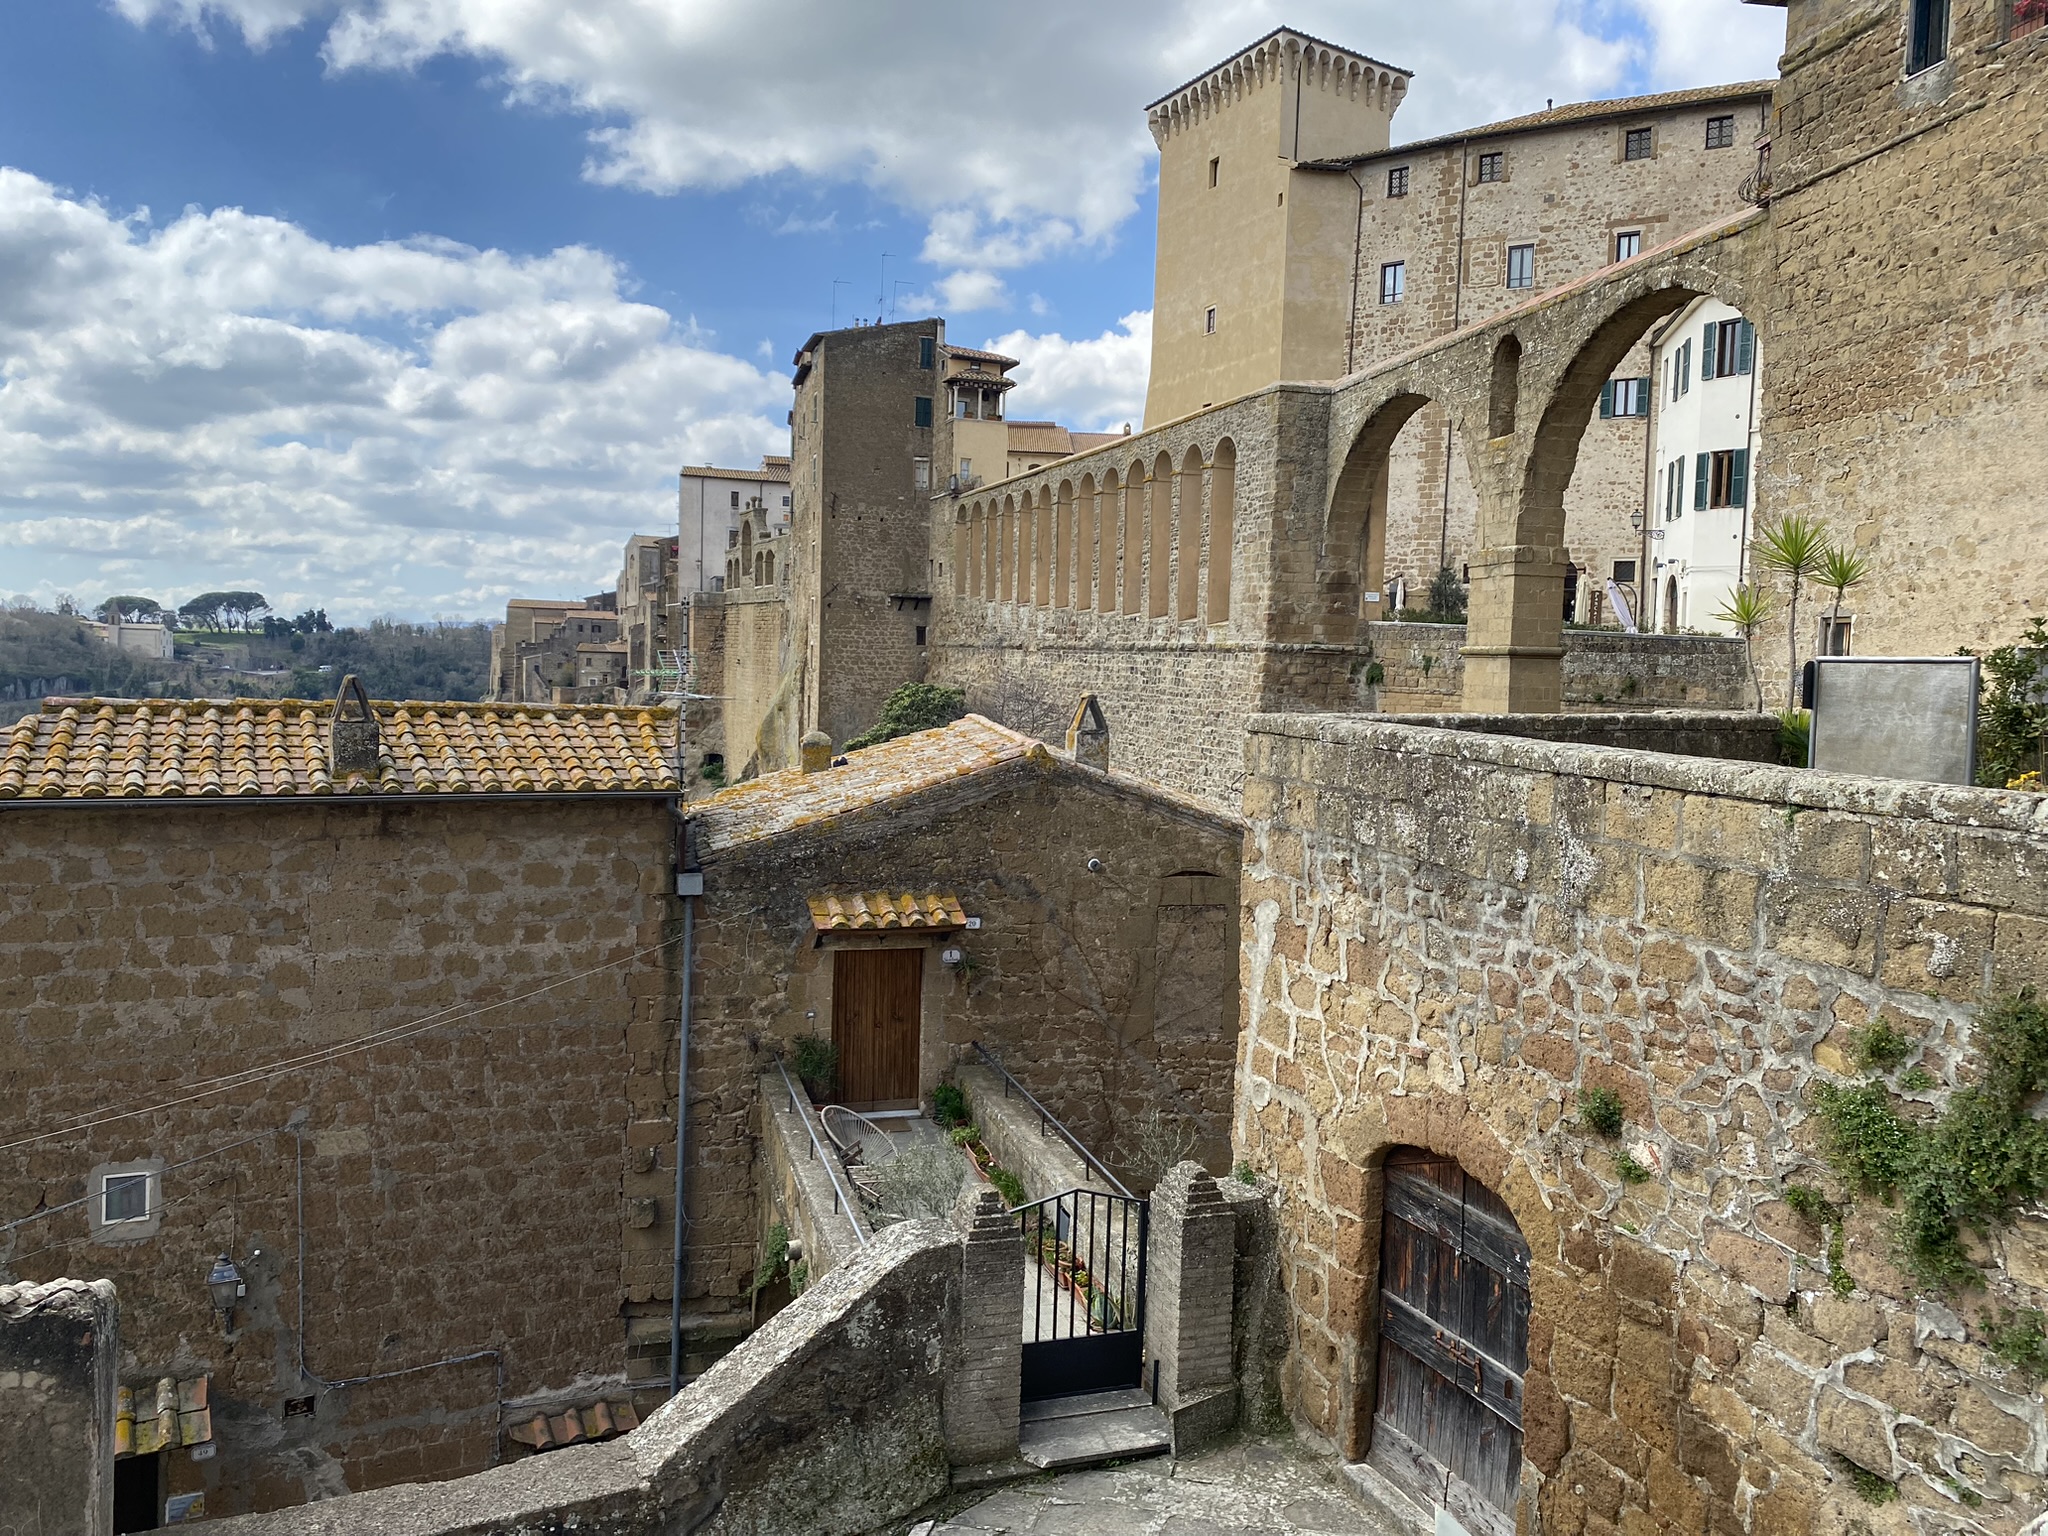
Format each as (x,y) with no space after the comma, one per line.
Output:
(1643,137)
(1528,273)
(1931,16)
(1492,168)
(1620,235)
(1397,181)
(136,1229)
(1393,281)
(1721,131)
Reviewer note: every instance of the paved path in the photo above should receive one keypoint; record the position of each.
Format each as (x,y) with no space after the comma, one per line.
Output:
(1255,1487)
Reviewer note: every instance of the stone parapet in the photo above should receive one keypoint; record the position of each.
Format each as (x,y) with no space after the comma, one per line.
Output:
(800,1188)
(58,1353)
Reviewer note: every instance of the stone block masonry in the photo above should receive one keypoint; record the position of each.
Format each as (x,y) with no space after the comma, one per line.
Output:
(463,1183)
(58,1351)
(1450,936)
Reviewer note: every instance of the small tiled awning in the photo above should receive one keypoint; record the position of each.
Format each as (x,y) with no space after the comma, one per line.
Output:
(576,1426)
(171,1414)
(874,911)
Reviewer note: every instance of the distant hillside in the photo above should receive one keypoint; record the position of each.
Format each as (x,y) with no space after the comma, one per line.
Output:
(44,655)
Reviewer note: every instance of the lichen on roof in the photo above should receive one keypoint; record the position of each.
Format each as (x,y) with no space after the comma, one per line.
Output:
(176,749)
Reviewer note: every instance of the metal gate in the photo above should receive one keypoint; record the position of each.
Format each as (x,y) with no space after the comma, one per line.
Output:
(1084,1293)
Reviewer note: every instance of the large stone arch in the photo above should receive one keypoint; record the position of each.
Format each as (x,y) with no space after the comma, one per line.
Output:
(1352,556)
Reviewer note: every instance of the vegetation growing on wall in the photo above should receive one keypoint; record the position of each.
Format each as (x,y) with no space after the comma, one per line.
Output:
(1969,1168)
(913,707)
(2012,711)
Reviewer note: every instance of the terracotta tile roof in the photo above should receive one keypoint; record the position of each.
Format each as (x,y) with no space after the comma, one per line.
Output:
(576,1426)
(173,1413)
(781,802)
(1578,112)
(171,749)
(774,472)
(870,911)
(980,357)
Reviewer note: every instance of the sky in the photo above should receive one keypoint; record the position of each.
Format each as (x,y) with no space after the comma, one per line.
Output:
(405,307)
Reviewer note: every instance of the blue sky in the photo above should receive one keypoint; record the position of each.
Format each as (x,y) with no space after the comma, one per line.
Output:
(406,306)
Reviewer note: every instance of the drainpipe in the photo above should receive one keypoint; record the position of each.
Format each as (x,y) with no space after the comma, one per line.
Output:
(1357,250)
(689,885)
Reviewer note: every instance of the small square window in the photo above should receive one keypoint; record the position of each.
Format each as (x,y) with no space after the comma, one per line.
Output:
(1393,282)
(126,1201)
(124,1197)
(785,501)
(1720,132)
(1490,166)
(1216,172)
(1209,321)
(1628,245)
(1636,144)
(1521,266)
(1624,572)
(1397,181)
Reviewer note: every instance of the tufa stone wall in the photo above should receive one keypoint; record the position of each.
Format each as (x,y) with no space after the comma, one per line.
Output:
(1449,936)
(1423,671)
(57,1380)
(464,1187)
(739,641)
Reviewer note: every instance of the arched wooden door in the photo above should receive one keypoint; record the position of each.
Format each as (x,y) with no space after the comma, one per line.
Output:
(1454,1342)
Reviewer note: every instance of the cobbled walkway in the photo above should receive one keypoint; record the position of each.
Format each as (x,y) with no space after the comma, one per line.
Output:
(1256,1487)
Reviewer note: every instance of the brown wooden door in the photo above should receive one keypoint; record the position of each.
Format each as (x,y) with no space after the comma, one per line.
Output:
(875,1025)
(1454,1342)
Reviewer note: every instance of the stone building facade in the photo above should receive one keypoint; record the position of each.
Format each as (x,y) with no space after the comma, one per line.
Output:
(1450,941)
(379,1016)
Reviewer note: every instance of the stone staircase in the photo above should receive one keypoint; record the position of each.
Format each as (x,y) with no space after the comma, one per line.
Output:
(1096,1427)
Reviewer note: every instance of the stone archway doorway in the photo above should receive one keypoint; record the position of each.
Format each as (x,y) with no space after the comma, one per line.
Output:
(1453,1314)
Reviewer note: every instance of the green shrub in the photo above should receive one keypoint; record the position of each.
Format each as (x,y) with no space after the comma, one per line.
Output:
(1600,1111)
(1245,1173)
(774,1258)
(1866,1142)
(949,1105)
(913,707)
(2018,1338)
(2012,713)
(962,1134)
(1629,1171)
(1795,729)
(1870,1488)
(1008,1185)
(817,1063)
(1880,1047)
(1809,1204)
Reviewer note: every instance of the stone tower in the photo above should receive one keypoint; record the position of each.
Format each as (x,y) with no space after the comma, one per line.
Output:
(1257,232)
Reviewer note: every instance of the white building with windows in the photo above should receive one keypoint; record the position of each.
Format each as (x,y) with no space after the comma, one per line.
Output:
(1704,429)
(710,503)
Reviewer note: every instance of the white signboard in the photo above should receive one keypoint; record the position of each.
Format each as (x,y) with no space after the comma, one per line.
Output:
(1895,717)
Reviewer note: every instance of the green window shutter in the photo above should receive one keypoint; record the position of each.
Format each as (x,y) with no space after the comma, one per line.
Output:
(1738,479)
(1642,397)
(1699,480)
(1707,350)
(1745,348)
(1607,399)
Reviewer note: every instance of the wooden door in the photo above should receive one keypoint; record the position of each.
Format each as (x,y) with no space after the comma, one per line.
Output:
(1454,1342)
(875,1026)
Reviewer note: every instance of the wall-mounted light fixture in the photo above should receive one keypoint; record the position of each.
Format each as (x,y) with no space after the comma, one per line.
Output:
(224,1284)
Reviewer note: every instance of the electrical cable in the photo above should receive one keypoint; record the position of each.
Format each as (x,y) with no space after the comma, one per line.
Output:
(208,1088)
(162,1204)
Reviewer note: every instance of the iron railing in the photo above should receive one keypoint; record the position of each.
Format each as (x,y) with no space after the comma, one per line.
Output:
(841,1200)
(1047,1120)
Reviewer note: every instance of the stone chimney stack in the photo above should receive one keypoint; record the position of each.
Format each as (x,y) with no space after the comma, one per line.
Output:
(1088,736)
(352,738)
(814,752)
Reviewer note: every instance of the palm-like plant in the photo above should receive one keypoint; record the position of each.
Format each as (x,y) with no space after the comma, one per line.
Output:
(1747,608)
(1840,569)
(1796,548)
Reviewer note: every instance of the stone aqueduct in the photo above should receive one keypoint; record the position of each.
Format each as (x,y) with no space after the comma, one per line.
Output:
(1292,481)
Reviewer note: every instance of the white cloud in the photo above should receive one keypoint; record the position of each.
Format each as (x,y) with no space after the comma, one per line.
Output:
(957,293)
(415,427)
(1093,385)
(1017,137)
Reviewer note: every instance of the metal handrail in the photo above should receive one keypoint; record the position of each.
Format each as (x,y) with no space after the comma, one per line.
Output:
(820,1154)
(1047,1118)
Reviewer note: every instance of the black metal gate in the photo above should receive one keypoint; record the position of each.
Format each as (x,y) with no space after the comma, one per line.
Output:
(1084,1293)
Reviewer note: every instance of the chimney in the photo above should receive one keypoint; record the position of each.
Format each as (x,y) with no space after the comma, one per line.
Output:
(1088,736)
(815,752)
(352,739)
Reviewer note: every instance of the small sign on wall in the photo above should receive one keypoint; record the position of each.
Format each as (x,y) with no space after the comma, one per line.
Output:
(1894,717)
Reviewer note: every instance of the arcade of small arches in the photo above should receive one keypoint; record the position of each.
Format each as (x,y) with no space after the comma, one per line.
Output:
(1150,539)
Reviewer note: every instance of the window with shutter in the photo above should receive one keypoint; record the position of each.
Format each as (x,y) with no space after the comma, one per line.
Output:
(1745,347)
(1701,467)
(1738,479)
(1709,350)
(1607,399)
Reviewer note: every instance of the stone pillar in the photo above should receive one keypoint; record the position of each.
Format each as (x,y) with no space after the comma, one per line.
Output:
(1515,631)
(814,752)
(985,1368)
(57,1381)
(1190,1291)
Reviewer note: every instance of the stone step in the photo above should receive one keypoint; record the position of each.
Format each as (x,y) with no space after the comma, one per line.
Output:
(1088,1430)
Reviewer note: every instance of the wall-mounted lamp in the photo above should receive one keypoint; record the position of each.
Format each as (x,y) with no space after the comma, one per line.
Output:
(224,1284)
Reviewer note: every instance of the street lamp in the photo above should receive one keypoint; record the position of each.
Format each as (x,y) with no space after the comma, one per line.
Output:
(224,1284)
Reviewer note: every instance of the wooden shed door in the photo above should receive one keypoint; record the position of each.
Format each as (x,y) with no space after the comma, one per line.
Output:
(1454,1342)
(875,1026)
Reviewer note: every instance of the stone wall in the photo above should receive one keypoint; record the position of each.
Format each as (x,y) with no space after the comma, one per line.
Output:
(1735,738)
(464,1181)
(739,643)
(797,1188)
(1422,670)
(1449,937)
(1947,515)
(1010,1128)
(57,1379)
(830,1417)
